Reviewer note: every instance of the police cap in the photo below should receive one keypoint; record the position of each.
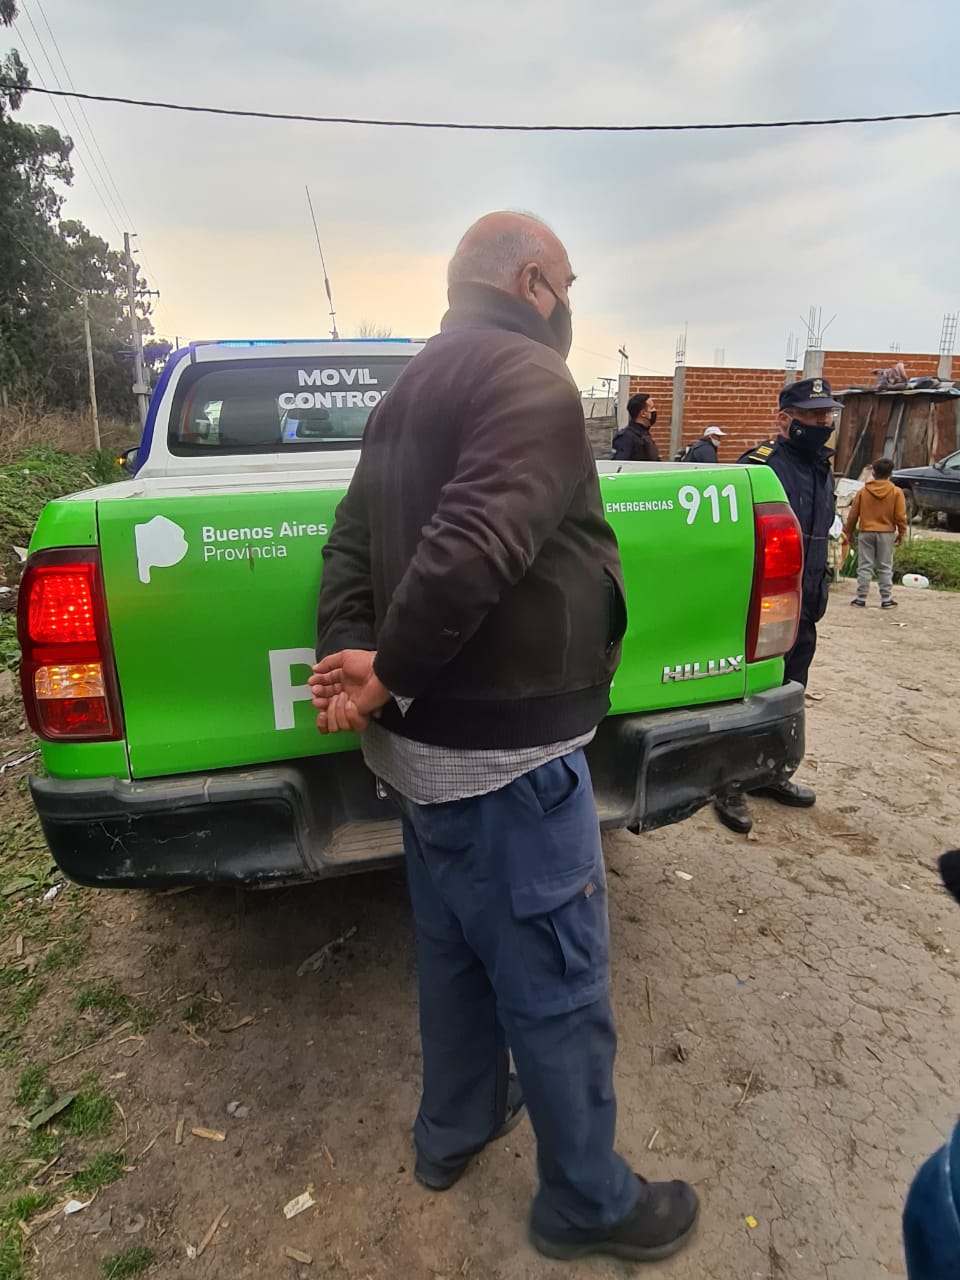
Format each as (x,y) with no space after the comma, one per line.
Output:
(810,393)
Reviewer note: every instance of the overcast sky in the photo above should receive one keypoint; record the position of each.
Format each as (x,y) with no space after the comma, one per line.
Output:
(735,233)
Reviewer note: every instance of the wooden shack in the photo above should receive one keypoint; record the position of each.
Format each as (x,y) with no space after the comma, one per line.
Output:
(913,427)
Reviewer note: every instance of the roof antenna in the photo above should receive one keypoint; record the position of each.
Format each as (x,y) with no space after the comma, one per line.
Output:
(326,280)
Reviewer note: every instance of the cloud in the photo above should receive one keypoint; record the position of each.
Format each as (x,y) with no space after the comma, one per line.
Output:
(779,230)
(737,233)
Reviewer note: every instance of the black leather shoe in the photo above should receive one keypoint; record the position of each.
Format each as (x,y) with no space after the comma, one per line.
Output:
(659,1226)
(789,793)
(733,812)
(438,1177)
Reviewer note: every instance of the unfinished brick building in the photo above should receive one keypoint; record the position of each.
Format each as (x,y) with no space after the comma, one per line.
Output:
(744,401)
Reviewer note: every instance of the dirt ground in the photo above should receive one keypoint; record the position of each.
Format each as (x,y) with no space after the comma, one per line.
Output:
(787,1017)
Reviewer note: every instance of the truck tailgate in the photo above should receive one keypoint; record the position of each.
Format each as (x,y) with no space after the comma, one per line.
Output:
(212,598)
(212,605)
(687,543)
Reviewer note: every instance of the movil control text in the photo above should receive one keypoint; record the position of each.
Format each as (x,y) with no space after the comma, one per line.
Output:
(350,398)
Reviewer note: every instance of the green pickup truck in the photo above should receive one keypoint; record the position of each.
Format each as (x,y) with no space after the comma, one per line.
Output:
(167,624)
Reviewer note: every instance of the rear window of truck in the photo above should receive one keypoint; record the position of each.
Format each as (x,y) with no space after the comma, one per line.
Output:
(278,405)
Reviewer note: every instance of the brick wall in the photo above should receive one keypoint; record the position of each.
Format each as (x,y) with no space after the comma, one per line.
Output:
(741,401)
(661,388)
(744,401)
(855,368)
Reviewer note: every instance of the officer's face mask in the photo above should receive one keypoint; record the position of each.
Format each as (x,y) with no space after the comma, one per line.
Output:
(808,436)
(653,413)
(560,321)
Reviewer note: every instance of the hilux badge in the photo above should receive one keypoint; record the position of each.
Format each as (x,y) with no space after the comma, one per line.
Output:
(701,671)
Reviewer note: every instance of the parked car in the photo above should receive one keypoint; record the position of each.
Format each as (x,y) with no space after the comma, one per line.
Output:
(935,488)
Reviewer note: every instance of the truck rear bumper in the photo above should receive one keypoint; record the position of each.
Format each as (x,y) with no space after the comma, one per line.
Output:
(326,815)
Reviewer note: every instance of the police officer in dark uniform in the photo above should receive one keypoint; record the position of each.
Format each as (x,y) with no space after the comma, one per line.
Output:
(635,443)
(801,459)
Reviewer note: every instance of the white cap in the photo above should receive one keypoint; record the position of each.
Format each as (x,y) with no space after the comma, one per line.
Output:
(714,431)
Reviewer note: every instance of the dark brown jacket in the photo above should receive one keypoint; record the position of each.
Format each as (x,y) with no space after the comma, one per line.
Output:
(471,549)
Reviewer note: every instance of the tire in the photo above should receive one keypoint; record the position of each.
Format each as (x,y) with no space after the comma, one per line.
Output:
(953,521)
(911,504)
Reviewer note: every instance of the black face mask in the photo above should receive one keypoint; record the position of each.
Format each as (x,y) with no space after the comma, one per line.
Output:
(653,418)
(809,438)
(560,321)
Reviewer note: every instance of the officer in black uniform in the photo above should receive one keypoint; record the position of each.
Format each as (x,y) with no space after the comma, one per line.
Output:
(801,459)
(635,443)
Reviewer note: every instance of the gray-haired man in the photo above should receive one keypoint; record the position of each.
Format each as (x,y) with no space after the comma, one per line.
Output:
(472,599)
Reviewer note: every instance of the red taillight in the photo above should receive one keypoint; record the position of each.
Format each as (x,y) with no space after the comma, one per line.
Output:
(66,665)
(782,546)
(60,606)
(778,570)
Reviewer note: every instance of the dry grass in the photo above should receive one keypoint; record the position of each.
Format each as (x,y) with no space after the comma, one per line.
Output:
(27,426)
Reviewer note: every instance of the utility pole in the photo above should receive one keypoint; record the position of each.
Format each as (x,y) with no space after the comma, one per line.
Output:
(140,388)
(84,300)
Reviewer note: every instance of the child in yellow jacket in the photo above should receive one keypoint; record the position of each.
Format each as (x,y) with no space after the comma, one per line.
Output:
(881,511)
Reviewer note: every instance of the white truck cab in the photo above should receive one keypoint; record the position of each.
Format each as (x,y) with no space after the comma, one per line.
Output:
(292,398)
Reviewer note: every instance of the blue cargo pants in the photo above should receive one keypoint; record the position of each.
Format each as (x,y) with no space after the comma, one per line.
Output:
(510,905)
(931,1218)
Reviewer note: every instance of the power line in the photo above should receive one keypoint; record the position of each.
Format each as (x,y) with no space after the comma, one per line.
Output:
(122,208)
(605,355)
(84,296)
(56,275)
(116,212)
(99,183)
(478,127)
(121,204)
(46,265)
(61,93)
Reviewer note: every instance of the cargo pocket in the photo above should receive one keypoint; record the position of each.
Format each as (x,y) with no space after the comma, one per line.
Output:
(563,940)
(558,897)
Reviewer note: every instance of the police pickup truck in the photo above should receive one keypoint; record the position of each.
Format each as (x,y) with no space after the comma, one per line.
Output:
(167,623)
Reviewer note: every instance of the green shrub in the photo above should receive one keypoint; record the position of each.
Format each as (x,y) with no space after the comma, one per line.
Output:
(38,476)
(35,478)
(939,561)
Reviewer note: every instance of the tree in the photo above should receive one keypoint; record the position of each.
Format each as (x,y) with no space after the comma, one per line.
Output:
(156,353)
(370,329)
(155,356)
(32,159)
(45,266)
(102,273)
